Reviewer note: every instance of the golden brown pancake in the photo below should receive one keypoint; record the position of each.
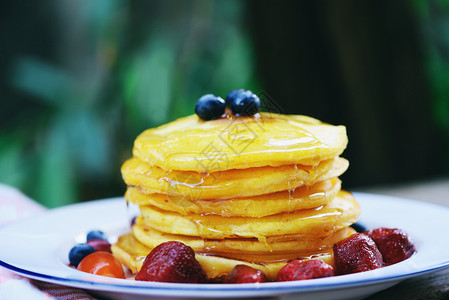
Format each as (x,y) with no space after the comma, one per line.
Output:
(191,144)
(342,211)
(303,197)
(260,191)
(132,254)
(227,184)
(280,244)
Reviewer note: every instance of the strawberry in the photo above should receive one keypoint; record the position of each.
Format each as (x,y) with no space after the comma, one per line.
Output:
(172,262)
(356,253)
(305,269)
(394,244)
(245,274)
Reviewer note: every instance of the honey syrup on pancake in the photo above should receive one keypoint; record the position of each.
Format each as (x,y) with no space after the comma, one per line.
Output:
(267,259)
(228,184)
(151,237)
(190,179)
(191,144)
(319,222)
(303,197)
(287,164)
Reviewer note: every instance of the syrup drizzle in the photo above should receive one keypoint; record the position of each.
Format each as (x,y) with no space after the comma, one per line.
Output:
(207,227)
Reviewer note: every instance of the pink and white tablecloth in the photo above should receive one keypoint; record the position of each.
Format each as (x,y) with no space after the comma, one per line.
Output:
(15,206)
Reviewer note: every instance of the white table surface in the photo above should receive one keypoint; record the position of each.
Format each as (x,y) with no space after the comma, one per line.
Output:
(433,191)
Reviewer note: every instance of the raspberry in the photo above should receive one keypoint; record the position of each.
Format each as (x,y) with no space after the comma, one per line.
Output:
(394,244)
(308,269)
(172,262)
(245,274)
(357,253)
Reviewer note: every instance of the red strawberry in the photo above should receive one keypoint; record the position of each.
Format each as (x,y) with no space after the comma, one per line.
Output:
(357,253)
(394,244)
(308,269)
(172,262)
(245,274)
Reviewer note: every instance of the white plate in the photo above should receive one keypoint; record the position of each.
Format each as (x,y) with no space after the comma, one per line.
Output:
(38,248)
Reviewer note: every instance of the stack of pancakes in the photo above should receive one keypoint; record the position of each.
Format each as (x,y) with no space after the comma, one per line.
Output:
(260,191)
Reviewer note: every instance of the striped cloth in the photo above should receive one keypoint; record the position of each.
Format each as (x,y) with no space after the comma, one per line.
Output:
(14,206)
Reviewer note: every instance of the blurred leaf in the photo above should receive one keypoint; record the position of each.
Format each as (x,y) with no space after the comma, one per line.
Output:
(235,67)
(11,161)
(41,80)
(421,7)
(439,72)
(443,4)
(97,14)
(148,83)
(89,145)
(55,181)
(434,18)
(116,68)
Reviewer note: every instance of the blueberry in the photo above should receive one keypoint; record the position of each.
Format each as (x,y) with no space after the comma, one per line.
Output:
(358,227)
(133,220)
(232,94)
(243,103)
(96,234)
(78,252)
(210,107)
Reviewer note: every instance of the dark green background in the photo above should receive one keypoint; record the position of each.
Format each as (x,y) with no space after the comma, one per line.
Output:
(79,79)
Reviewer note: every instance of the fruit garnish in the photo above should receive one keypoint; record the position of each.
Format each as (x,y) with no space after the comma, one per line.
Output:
(102,263)
(243,103)
(172,262)
(245,274)
(96,234)
(305,269)
(99,245)
(357,253)
(78,252)
(232,94)
(394,244)
(358,227)
(210,107)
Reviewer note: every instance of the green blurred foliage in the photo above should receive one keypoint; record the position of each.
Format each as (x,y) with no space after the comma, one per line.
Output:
(434,20)
(118,68)
(89,75)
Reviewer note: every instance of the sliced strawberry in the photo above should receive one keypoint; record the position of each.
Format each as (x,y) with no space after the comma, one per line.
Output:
(172,262)
(245,274)
(394,244)
(305,269)
(357,253)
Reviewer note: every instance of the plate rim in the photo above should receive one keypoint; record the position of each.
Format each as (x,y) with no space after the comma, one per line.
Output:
(269,288)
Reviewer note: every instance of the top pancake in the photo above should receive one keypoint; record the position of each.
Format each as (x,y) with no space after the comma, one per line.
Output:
(268,139)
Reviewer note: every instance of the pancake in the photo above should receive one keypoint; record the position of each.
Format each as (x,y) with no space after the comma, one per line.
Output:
(280,245)
(273,257)
(303,197)
(132,254)
(230,183)
(260,191)
(320,222)
(267,139)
